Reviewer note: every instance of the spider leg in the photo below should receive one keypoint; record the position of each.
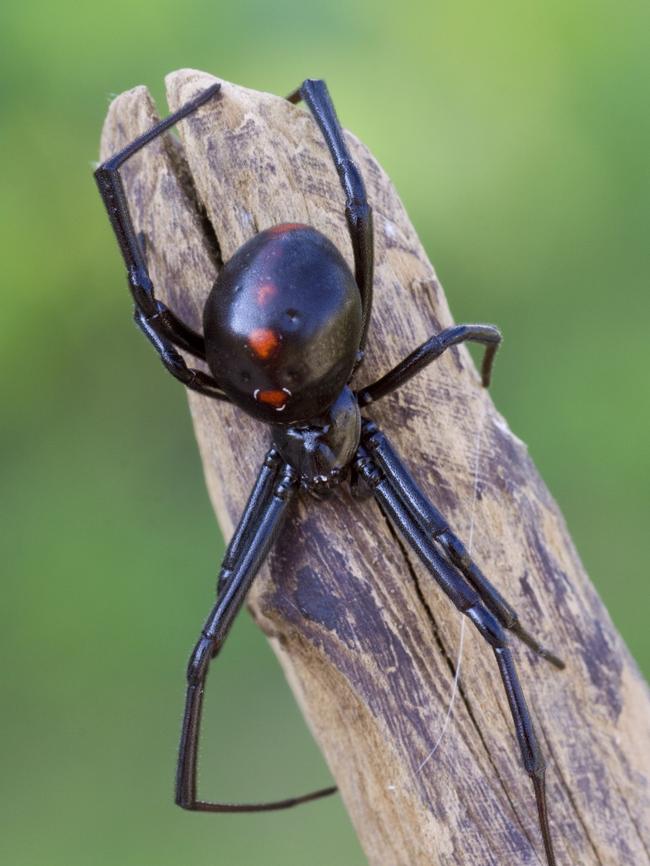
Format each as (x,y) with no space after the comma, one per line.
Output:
(257,502)
(174,363)
(256,533)
(434,525)
(159,323)
(467,600)
(357,210)
(429,351)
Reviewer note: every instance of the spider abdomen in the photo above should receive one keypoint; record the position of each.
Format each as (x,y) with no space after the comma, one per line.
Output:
(283,324)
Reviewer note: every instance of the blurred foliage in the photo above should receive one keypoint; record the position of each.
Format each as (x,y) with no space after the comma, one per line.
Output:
(518,137)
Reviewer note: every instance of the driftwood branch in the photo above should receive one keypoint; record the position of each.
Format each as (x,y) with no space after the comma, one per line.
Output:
(367,642)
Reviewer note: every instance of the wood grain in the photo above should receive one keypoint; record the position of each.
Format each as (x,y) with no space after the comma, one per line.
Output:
(367,642)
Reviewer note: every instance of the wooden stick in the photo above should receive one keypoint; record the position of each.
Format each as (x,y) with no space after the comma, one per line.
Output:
(367,642)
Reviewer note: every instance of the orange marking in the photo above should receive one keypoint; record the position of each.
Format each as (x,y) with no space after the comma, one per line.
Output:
(277,399)
(285,227)
(265,293)
(264,342)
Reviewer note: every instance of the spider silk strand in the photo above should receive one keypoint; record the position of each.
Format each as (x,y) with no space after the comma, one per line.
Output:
(461,640)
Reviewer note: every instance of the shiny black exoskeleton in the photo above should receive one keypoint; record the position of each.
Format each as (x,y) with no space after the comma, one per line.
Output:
(321,450)
(282,328)
(285,327)
(282,325)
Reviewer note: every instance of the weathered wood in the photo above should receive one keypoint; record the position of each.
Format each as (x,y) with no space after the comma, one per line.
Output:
(367,642)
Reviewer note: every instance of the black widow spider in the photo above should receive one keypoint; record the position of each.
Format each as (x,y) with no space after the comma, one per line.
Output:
(285,327)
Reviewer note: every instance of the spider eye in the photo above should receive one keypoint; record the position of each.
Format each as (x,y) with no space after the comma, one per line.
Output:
(245,375)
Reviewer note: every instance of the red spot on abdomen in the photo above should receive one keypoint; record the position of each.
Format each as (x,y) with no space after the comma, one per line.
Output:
(264,342)
(277,399)
(285,227)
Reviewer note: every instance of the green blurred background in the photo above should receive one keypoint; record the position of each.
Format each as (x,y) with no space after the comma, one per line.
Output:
(518,137)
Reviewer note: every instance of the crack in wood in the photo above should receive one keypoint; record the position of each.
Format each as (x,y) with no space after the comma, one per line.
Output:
(183,174)
(572,801)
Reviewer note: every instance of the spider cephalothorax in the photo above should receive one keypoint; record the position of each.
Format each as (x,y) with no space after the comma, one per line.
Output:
(322,450)
(285,327)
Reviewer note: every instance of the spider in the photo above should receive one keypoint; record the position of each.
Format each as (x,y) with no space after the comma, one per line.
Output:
(285,327)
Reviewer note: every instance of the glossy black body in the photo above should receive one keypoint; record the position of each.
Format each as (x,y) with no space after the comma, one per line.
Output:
(321,451)
(285,328)
(282,325)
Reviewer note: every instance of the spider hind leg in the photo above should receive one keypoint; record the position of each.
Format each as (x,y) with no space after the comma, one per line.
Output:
(468,601)
(257,530)
(433,524)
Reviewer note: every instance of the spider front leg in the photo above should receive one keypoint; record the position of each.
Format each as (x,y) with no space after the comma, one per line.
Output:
(357,210)
(253,538)
(433,348)
(467,600)
(174,362)
(159,324)
(433,523)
